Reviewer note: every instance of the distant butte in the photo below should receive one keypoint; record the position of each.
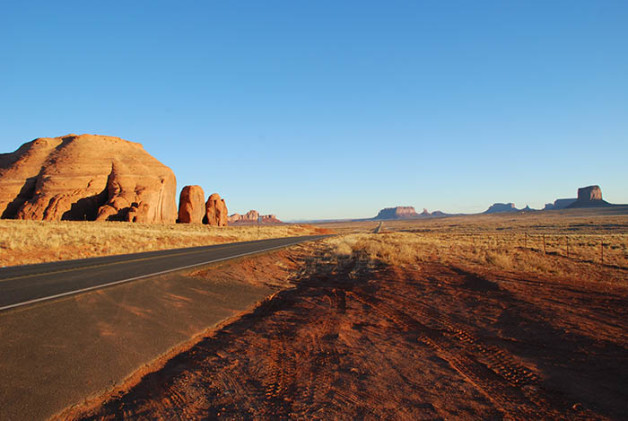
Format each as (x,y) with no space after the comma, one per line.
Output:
(253,217)
(589,197)
(405,212)
(501,207)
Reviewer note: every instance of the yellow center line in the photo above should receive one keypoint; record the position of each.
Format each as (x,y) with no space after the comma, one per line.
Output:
(111,264)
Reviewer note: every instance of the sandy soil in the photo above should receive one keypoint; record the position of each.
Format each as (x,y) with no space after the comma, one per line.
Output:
(356,340)
(58,353)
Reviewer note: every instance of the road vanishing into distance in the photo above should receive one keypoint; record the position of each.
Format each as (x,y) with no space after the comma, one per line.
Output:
(29,284)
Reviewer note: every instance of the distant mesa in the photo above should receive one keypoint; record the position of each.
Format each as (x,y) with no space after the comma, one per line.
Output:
(559,204)
(501,207)
(86,177)
(253,217)
(399,212)
(588,197)
(406,212)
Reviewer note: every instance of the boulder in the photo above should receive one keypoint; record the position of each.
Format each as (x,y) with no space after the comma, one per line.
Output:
(86,177)
(216,211)
(192,205)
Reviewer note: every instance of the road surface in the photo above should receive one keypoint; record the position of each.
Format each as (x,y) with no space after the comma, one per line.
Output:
(23,285)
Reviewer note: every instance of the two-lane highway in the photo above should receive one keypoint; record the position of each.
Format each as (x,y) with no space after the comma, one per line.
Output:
(23,285)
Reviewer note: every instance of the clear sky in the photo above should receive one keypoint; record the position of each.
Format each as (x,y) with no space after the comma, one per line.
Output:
(334,109)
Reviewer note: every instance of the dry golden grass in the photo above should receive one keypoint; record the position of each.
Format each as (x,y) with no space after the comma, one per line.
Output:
(403,248)
(588,246)
(23,242)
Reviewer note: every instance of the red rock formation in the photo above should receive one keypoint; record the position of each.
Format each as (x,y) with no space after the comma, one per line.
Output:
(253,217)
(589,197)
(86,177)
(192,205)
(250,216)
(216,211)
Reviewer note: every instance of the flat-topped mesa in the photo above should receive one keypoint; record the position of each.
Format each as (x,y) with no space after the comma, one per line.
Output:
(501,207)
(192,205)
(216,211)
(559,204)
(86,177)
(253,217)
(399,212)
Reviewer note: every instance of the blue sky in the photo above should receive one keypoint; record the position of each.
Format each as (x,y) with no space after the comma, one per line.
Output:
(334,109)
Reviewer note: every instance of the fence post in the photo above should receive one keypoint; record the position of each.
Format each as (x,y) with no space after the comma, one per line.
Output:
(567,247)
(602,251)
(544,249)
(525,241)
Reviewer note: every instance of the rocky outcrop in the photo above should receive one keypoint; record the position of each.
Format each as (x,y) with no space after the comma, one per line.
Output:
(270,219)
(399,212)
(192,205)
(216,211)
(502,207)
(428,214)
(253,217)
(86,177)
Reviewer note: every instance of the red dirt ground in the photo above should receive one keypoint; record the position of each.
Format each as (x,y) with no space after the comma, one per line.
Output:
(356,341)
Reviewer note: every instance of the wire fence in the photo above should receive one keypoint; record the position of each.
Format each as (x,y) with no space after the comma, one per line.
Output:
(606,250)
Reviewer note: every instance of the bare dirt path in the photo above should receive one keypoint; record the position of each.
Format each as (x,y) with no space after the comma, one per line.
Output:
(355,341)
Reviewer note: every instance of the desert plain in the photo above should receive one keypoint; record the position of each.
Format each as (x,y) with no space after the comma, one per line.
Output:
(505,316)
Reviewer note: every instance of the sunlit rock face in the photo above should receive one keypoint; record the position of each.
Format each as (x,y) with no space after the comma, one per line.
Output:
(86,177)
(192,205)
(216,211)
(590,193)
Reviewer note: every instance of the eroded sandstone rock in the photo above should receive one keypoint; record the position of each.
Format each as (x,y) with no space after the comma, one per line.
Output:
(192,205)
(216,211)
(86,177)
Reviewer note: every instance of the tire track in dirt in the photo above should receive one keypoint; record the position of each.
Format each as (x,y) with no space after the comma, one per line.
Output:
(356,341)
(495,387)
(497,359)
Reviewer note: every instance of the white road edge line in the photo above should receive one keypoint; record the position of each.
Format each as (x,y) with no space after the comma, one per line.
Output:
(78,291)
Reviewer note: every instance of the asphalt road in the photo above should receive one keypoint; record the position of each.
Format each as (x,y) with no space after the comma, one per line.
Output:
(23,285)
